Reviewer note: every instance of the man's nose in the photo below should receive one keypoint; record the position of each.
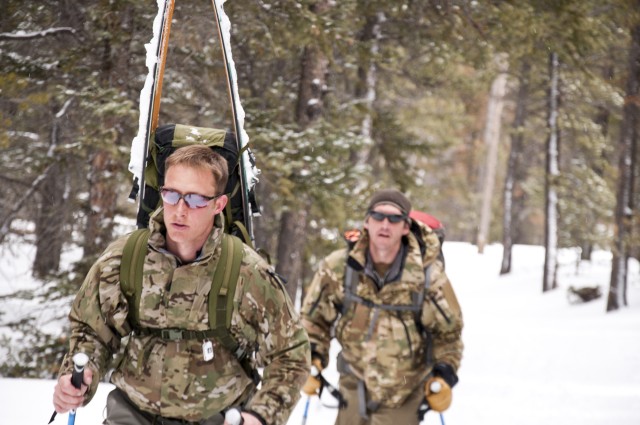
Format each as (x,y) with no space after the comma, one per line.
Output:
(182,205)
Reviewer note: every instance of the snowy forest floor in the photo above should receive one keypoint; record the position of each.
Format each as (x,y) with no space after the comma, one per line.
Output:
(530,358)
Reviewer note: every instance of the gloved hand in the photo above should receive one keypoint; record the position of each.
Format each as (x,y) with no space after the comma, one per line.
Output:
(438,394)
(313,384)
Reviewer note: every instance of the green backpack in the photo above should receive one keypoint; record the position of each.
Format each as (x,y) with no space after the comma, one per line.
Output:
(221,295)
(166,140)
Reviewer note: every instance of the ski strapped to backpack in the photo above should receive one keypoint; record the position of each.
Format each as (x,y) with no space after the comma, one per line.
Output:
(242,167)
(223,287)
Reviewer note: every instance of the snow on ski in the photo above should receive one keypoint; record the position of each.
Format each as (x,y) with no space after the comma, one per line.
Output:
(248,170)
(151,92)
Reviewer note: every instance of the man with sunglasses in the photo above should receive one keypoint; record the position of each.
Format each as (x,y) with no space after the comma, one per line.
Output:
(183,375)
(388,302)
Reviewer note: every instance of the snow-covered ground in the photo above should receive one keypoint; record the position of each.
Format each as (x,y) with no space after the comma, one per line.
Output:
(530,358)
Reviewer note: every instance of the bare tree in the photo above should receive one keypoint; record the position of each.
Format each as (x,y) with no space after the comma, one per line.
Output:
(513,166)
(35,34)
(492,141)
(549,276)
(627,169)
(367,80)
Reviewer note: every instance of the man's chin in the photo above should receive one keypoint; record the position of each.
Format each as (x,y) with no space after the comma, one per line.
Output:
(177,233)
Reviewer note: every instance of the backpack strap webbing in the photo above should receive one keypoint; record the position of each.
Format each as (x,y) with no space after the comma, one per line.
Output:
(225,279)
(131,269)
(224,283)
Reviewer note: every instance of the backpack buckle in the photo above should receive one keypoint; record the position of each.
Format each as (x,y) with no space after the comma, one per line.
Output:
(172,334)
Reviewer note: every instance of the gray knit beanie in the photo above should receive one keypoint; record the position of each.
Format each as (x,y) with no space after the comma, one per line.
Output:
(390,197)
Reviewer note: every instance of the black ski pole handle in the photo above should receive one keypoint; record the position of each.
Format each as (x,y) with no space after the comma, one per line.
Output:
(79,362)
(77,378)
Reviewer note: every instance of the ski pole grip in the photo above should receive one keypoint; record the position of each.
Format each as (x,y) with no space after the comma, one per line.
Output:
(79,362)
(234,417)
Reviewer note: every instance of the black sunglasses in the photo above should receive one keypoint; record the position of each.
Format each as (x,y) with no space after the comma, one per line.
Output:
(193,200)
(393,218)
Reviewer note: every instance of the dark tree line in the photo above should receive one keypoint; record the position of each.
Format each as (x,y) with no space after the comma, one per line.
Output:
(341,98)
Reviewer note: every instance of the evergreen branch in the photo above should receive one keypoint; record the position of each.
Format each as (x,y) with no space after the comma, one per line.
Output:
(23,35)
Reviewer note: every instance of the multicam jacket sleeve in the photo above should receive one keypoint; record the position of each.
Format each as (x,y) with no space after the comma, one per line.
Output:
(441,313)
(282,341)
(98,317)
(442,317)
(321,305)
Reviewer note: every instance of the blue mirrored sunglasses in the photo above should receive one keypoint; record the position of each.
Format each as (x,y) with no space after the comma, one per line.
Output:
(393,218)
(193,200)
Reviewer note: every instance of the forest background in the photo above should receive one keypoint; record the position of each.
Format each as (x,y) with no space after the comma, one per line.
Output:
(510,121)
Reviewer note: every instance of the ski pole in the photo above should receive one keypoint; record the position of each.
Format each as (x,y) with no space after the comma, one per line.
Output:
(306,410)
(79,362)
(436,387)
(342,403)
(234,417)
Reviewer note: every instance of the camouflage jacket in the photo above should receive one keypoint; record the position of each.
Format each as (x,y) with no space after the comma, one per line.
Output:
(384,348)
(171,378)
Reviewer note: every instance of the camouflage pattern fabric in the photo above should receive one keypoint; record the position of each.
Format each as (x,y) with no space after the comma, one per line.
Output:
(170,378)
(385,348)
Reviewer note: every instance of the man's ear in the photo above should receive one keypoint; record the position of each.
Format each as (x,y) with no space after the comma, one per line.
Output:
(220,203)
(406,229)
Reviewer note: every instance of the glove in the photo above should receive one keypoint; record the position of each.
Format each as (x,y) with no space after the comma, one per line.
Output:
(313,384)
(438,394)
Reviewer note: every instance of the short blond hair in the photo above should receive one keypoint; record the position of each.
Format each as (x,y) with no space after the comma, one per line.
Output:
(200,156)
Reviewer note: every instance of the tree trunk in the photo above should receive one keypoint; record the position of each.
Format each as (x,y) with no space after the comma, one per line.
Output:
(292,236)
(492,141)
(293,225)
(102,201)
(367,81)
(513,168)
(53,208)
(549,278)
(312,86)
(104,162)
(627,169)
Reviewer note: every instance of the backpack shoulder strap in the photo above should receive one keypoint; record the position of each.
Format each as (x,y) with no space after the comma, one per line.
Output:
(223,289)
(350,281)
(225,279)
(131,269)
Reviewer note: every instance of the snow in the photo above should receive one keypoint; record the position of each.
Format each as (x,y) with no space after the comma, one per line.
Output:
(137,145)
(530,358)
